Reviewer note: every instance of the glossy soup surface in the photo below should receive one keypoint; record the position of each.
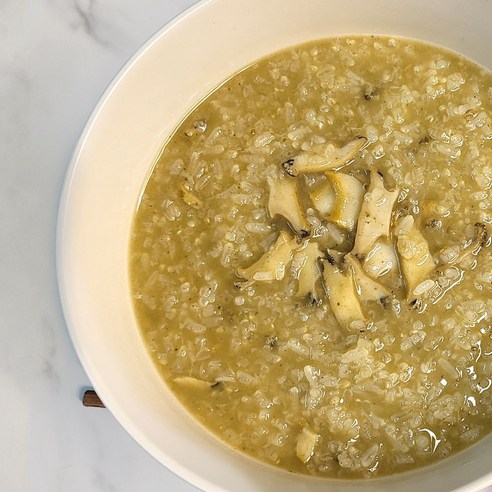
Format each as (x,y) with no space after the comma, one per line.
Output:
(245,258)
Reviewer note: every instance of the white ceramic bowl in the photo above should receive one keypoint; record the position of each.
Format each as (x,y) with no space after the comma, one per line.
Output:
(171,73)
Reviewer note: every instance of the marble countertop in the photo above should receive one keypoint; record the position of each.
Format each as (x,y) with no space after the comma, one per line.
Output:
(56,59)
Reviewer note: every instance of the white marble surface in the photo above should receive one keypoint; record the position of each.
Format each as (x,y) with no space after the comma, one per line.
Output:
(56,59)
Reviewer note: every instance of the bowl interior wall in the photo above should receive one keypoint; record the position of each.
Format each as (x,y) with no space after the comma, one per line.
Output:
(138,112)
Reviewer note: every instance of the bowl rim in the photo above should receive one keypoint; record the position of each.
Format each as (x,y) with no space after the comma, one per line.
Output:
(103,392)
(93,372)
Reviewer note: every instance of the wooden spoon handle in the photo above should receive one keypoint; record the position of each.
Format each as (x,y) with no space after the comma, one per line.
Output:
(90,399)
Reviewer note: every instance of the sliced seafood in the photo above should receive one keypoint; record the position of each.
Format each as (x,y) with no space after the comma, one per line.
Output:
(348,199)
(273,264)
(309,272)
(306,441)
(416,261)
(367,288)
(341,292)
(284,201)
(375,215)
(381,264)
(324,157)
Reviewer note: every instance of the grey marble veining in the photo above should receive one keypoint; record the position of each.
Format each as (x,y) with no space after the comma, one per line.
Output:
(56,59)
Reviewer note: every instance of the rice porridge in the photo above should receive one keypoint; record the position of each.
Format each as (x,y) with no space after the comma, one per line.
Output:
(310,259)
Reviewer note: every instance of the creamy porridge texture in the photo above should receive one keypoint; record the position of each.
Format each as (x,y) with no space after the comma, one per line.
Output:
(311,259)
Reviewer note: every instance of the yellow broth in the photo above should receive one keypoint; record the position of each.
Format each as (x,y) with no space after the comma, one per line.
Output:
(259,365)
